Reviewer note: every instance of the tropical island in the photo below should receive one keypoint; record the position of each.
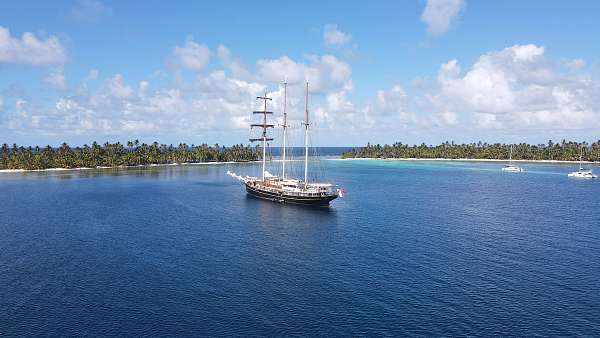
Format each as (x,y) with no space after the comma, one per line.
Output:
(563,151)
(118,155)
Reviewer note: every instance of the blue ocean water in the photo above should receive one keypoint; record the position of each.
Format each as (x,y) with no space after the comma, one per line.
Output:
(415,248)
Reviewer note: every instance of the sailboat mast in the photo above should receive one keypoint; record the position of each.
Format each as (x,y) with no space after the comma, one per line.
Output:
(510,156)
(264,139)
(581,158)
(284,127)
(306,124)
(264,127)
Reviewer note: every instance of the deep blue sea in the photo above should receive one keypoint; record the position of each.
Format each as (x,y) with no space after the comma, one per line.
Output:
(414,249)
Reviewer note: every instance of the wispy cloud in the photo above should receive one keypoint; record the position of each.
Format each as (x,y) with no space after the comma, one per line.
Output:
(334,37)
(89,11)
(439,15)
(56,78)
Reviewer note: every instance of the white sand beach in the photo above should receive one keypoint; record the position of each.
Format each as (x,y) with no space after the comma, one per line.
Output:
(459,160)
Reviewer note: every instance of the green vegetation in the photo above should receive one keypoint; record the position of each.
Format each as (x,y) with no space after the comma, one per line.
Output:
(564,151)
(116,154)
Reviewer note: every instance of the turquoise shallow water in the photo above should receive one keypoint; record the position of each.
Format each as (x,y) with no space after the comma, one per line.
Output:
(415,248)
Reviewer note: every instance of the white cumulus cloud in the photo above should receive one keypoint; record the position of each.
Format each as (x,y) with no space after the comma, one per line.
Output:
(324,73)
(30,49)
(191,55)
(518,88)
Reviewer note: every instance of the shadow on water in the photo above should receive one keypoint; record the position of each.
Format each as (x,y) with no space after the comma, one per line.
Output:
(275,206)
(300,230)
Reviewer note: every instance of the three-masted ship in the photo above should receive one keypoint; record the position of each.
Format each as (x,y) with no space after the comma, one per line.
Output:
(285,189)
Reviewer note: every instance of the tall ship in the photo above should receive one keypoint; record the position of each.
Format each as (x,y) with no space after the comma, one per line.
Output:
(286,189)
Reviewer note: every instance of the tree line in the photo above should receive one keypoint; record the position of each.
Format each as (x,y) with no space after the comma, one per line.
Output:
(117,154)
(563,151)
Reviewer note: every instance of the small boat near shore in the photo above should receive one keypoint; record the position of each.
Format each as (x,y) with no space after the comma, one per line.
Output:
(510,168)
(582,172)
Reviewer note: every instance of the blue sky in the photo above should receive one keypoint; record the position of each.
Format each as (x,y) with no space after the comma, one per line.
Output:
(410,71)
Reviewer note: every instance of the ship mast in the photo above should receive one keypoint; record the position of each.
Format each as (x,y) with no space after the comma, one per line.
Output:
(285,125)
(306,124)
(264,127)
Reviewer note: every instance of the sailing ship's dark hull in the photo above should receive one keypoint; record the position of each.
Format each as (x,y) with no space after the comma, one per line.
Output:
(320,201)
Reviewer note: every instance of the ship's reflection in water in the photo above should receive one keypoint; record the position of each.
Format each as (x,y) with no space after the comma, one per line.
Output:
(295,224)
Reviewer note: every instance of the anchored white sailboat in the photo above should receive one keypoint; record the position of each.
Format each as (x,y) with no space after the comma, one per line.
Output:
(283,189)
(582,172)
(510,167)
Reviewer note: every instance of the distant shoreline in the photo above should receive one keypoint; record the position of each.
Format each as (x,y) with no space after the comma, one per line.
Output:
(460,160)
(278,160)
(133,167)
(120,167)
